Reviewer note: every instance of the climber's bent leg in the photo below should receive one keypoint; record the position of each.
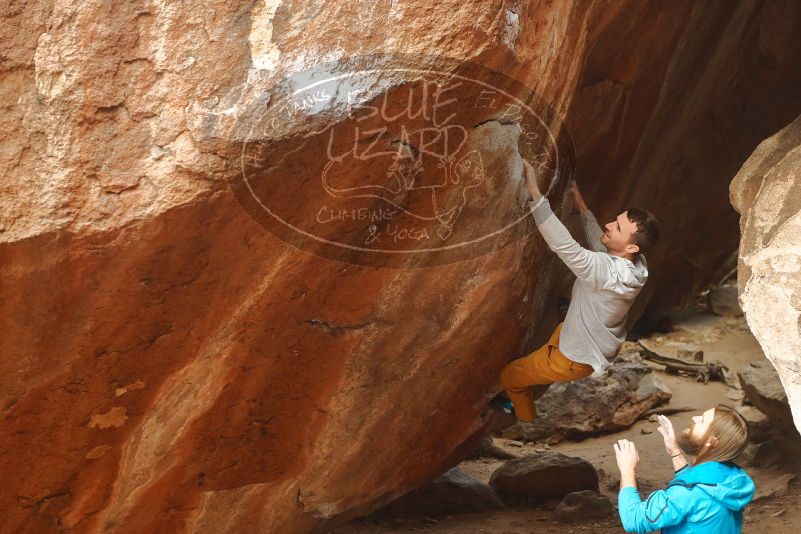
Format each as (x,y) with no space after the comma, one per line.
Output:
(519,375)
(545,365)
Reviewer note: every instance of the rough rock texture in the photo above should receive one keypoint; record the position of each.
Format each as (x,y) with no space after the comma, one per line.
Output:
(451,493)
(765,454)
(762,387)
(767,193)
(488,449)
(594,405)
(544,475)
(758,423)
(724,301)
(170,366)
(585,505)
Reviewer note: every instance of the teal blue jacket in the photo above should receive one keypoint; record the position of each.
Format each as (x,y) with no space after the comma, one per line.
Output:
(706,498)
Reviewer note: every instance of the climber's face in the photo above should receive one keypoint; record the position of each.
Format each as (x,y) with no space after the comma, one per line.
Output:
(618,234)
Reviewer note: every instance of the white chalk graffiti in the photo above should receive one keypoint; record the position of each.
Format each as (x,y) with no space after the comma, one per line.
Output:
(416,148)
(449,190)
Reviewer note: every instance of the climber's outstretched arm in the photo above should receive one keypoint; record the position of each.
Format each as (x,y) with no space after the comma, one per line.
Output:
(590,266)
(592,229)
(593,267)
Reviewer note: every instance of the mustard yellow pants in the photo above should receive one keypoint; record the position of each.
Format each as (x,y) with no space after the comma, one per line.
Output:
(545,365)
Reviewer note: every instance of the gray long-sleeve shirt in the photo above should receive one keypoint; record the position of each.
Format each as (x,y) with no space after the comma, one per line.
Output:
(605,288)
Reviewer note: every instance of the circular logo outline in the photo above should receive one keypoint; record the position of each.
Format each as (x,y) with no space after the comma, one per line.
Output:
(450,75)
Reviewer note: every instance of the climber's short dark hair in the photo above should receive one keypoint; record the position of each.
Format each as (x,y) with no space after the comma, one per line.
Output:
(647,233)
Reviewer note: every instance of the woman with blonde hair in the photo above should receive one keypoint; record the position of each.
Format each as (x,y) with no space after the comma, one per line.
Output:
(707,495)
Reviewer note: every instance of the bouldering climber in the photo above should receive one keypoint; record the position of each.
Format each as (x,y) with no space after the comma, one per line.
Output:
(608,278)
(706,496)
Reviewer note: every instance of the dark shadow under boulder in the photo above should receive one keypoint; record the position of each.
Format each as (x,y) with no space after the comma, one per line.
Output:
(451,493)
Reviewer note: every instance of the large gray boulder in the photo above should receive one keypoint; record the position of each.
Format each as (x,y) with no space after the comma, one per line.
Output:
(594,405)
(763,388)
(767,194)
(543,476)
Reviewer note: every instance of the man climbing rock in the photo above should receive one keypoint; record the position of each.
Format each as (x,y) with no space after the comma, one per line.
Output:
(608,278)
(707,495)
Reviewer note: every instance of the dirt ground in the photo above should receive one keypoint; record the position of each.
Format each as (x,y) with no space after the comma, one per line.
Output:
(724,339)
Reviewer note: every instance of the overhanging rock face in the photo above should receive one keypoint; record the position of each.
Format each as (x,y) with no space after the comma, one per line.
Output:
(767,193)
(170,365)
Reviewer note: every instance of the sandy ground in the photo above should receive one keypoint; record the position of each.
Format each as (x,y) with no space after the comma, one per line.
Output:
(724,339)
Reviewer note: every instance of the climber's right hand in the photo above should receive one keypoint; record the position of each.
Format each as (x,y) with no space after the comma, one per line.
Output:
(531,181)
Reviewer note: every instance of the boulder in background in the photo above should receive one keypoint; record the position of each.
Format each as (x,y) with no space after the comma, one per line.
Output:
(544,475)
(594,405)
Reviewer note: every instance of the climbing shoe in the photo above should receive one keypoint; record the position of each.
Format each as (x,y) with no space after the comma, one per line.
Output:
(503,405)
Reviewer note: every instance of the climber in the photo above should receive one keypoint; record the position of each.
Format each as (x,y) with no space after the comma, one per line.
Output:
(706,496)
(608,278)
